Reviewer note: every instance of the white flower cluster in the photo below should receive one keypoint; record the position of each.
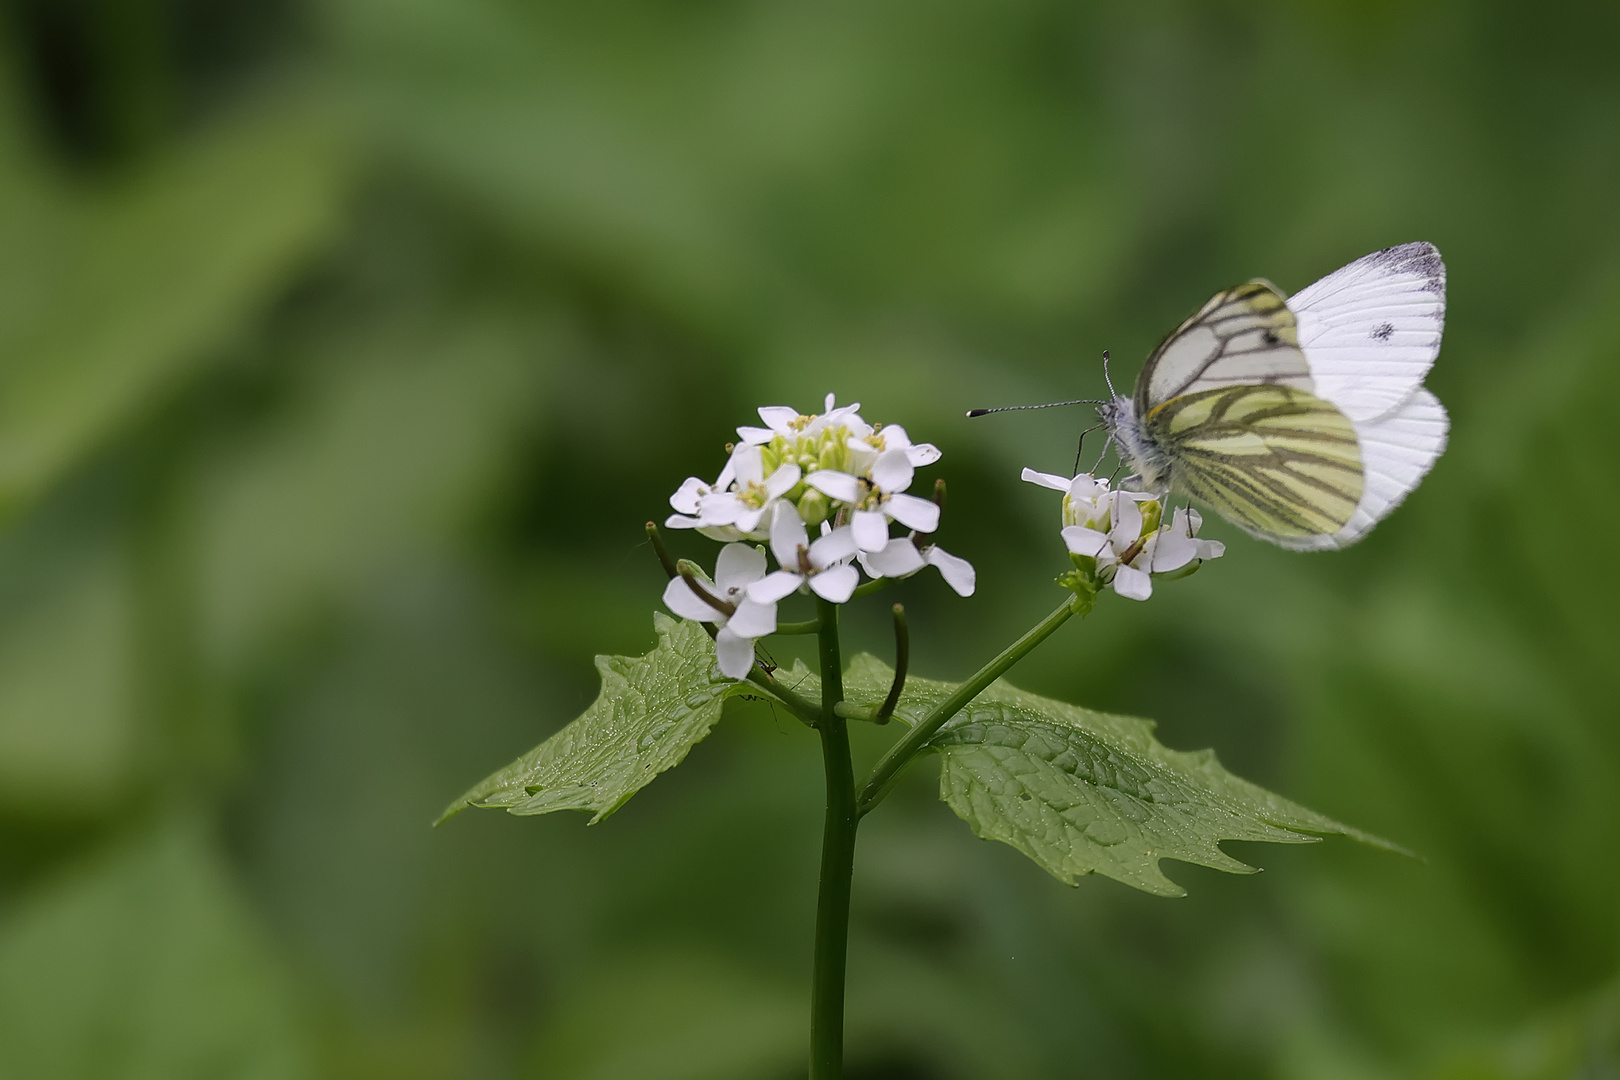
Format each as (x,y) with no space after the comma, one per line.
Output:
(832,472)
(1118,537)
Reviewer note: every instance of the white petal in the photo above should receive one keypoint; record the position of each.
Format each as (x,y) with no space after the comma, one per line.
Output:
(835,484)
(920,454)
(754,436)
(681,521)
(1127,522)
(738,565)
(722,509)
(1083,541)
(736,654)
(753,619)
(688,495)
(835,547)
(871,530)
(726,534)
(781,481)
(749,518)
(892,471)
(828,407)
(728,475)
(1046,479)
(1087,487)
(861,457)
(957,572)
(844,415)
(1169,550)
(750,465)
(787,536)
(1132,584)
(679,598)
(1210,549)
(898,559)
(895,437)
(774,586)
(779,418)
(836,584)
(913,513)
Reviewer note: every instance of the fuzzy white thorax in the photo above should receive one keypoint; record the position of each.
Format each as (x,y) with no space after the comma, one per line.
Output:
(1150,463)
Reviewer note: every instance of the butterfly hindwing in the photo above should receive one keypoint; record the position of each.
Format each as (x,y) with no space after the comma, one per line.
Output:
(1243,337)
(1273,459)
(1396,451)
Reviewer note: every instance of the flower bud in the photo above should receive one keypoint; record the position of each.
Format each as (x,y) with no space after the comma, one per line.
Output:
(814,507)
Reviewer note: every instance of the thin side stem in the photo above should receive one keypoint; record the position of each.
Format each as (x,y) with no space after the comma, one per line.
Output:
(660,550)
(870,587)
(902,662)
(809,626)
(799,705)
(837,864)
(888,768)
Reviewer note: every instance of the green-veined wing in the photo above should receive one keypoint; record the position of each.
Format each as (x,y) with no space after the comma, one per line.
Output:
(1244,336)
(1273,459)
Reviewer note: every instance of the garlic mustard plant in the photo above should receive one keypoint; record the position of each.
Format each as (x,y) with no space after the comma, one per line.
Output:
(820,495)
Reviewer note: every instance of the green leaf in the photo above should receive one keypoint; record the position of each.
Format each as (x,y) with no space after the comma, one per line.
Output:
(651,711)
(1085,792)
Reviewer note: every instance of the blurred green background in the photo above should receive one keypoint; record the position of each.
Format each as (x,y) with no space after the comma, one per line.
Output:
(346,345)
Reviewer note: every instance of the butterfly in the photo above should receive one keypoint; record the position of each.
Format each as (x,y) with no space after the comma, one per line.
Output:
(1302,420)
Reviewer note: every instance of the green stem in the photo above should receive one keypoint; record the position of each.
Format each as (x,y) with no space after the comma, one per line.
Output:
(871,587)
(809,626)
(888,768)
(837,864)
(797,704)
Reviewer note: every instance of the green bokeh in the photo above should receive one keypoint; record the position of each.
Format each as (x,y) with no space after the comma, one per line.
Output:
(346,345)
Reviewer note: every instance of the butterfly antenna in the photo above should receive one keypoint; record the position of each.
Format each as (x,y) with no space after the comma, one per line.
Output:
(1107,378)
(1048,405)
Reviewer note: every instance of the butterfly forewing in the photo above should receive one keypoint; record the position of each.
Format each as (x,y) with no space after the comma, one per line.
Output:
(1243,337)
(1371,330)
(1271,458)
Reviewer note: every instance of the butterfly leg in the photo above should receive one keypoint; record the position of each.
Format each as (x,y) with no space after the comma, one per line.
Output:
(1080,447)
(1107,446)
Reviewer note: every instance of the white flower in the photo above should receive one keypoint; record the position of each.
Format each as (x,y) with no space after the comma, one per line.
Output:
(903,556)
(823,565)
(1109,526)
(735,514)
(790,424)
(738,567)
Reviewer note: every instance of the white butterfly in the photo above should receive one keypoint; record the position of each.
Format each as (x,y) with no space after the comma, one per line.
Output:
(1303,419)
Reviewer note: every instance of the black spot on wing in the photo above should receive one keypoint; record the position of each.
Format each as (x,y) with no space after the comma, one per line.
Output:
(1382,331)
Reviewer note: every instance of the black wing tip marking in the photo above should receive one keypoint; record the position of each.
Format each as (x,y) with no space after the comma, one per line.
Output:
(1419,258)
